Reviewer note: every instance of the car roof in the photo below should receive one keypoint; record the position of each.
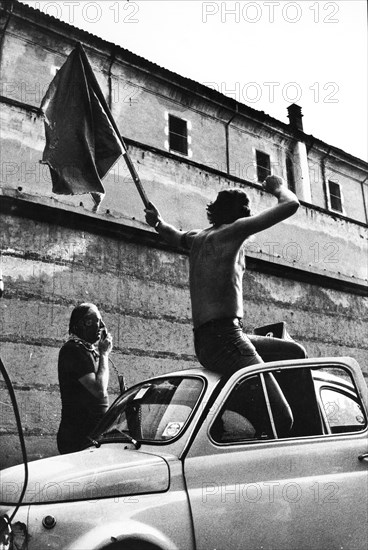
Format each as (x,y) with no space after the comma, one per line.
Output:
(320,362)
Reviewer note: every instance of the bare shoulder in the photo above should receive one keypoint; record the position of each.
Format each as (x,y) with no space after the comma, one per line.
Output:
(188,237)
(224,240)
(236,230)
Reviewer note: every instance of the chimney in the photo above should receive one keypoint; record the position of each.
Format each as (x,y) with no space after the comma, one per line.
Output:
(295,117)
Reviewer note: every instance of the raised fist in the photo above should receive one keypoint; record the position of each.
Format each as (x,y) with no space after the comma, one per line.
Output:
(273,184)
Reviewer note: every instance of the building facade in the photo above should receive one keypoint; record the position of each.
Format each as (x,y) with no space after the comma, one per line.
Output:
(187,142)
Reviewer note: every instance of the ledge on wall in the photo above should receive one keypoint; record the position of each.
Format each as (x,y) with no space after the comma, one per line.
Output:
(49,210)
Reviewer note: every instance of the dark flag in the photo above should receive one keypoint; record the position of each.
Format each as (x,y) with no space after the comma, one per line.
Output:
(82,140)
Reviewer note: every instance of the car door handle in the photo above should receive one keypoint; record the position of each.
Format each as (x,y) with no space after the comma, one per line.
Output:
(363,457)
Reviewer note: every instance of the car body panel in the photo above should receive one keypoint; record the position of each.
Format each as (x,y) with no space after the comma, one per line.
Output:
(109,471)
(274,492)
(162,519)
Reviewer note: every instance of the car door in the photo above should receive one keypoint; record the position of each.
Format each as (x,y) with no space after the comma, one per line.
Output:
(268,469)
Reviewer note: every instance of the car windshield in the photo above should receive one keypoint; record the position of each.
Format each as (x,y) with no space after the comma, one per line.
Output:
(155,411)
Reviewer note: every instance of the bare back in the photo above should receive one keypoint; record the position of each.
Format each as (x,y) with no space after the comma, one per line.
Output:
(216,275)
(217,256)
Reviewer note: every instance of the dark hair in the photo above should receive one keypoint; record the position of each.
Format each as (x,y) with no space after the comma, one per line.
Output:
(78,313)
(229,206)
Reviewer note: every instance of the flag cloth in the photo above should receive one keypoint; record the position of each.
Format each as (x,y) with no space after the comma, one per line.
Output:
(82,140)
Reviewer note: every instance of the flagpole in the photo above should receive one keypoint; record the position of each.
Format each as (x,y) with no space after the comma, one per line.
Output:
(134,174)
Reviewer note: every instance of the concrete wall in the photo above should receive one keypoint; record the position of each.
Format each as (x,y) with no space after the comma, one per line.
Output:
(55,252)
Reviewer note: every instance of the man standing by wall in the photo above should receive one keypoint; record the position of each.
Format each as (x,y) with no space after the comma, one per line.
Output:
(83,377)
(216,271)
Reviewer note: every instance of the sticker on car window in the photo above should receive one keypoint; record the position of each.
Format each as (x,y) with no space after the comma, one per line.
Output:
(172,429)
(141,393)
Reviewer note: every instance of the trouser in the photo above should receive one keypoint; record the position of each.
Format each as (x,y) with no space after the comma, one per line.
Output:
(72,437)
(68,441)
(277,349)
(222,346)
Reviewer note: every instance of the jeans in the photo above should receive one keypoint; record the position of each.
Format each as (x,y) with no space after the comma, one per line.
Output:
(224,348)
(277,349)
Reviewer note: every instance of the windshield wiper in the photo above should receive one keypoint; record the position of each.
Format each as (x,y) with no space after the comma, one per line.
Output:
(97,444)
(137,444)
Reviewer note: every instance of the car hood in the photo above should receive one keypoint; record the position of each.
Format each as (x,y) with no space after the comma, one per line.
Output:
(107,471)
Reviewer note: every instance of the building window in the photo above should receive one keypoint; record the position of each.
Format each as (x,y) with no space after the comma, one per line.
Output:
(263,165)
(290,174)
(178,135)
(335,197)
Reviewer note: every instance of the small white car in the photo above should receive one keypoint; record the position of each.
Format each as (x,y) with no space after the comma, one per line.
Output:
(273,457)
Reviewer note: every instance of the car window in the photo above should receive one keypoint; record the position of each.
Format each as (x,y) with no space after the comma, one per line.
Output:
(343,412)
(341,408)
(289,402)
(244,415)
(156,411)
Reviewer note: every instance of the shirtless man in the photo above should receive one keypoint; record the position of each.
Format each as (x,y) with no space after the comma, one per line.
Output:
(217,265)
